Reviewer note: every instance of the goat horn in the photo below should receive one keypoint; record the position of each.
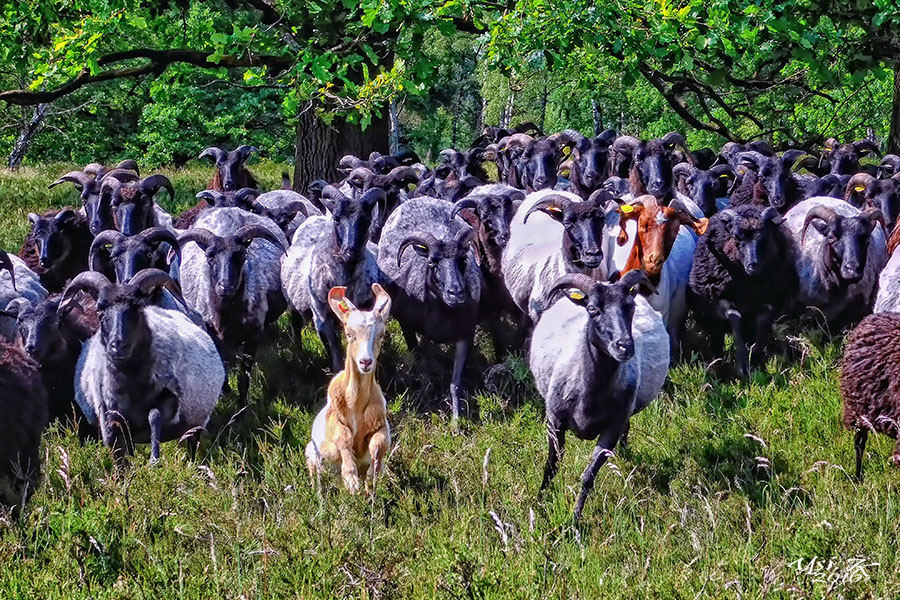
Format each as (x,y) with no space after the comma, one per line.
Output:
(422,238)
(550,201)
(201,237)
(818,212)
(213,152)
(248,233)
(152,184)
(79,178)
(104,238)
(6,263)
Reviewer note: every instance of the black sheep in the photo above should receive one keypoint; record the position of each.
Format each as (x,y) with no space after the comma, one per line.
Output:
(57,247)
(870,382)
(741,278)
(23,403)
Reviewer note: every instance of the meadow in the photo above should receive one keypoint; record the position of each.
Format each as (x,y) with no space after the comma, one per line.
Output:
(726,490)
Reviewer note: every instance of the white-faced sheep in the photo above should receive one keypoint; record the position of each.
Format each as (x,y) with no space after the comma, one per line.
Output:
(598,355)
(16,281)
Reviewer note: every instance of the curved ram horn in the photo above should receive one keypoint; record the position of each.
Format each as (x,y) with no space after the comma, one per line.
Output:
(63,216)
(581,282)
(157,235)
(818,212)
(607,136)
(15,306)
(683,170)
(128,164)
(244,195)
(213,197)
(372,196)
(464,236)
(518,140)
(244,151)
(148,280)
(123,175)
(463,204)
(422,238)
(150,185)
(790,157)
(248,233)
(626,144)
(550,201)
(89,281)
(104,238)
(637,278)
(213,152)
(79,178)
(866,146)
(201,237)
(568,137)
(875,216)
(829,146)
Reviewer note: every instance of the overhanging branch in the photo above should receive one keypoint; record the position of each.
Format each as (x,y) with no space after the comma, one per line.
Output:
(159,61)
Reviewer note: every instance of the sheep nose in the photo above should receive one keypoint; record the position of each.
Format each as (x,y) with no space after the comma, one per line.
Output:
(624,349)
(540,181)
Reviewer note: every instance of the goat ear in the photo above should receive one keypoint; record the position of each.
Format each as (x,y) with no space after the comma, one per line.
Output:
(699,226)
(340,304)
(382,302)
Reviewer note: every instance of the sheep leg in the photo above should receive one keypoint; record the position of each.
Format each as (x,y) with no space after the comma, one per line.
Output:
(463,347)
(155,419)
(740,347)
(859,443)
(556,442)
(602,451)
(409,336)
(764,321)
(297,325)
(113,430)
(328,334)
(248,356)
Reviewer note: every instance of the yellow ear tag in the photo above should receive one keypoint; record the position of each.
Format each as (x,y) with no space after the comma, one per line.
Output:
(421,247)
(626,208)
(827,148)
(344,306)
(724,176)
(554,209)
(566,151)
(576,295)
(860,188)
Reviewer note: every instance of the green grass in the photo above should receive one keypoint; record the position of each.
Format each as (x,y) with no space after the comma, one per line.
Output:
(724,488)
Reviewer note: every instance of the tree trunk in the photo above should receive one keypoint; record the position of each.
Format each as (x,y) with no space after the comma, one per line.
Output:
(26,136)
(598,118)
(394,135)
(544,106)
(506,114)
(894,140)
(319,146)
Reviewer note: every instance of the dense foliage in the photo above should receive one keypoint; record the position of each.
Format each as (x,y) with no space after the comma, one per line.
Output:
(793,71)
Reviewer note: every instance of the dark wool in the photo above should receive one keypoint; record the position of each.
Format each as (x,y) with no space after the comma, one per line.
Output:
(61,273)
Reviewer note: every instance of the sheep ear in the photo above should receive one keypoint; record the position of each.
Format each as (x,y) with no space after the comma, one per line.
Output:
(821,226)
(340,305)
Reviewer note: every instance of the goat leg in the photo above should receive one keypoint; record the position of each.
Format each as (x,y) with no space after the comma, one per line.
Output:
(463,347)
(379,446)
(556,442)
(862,434)
(603,450)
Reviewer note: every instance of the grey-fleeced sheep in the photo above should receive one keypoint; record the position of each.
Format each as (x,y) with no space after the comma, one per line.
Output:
(838,252)
(552,233)
(429,269)
(286,208)
(231,275)
(598,355)
(16,281)
(328,252)
(149,374)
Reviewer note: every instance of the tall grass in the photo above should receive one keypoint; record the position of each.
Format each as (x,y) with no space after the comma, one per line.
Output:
(727,490)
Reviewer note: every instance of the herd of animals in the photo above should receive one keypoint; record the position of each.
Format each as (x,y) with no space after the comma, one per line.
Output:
(590,252)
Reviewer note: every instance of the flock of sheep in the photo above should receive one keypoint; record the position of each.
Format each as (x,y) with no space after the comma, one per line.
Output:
(126,319)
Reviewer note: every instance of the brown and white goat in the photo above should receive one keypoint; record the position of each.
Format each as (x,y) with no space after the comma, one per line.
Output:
(351,432)
(657,228)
